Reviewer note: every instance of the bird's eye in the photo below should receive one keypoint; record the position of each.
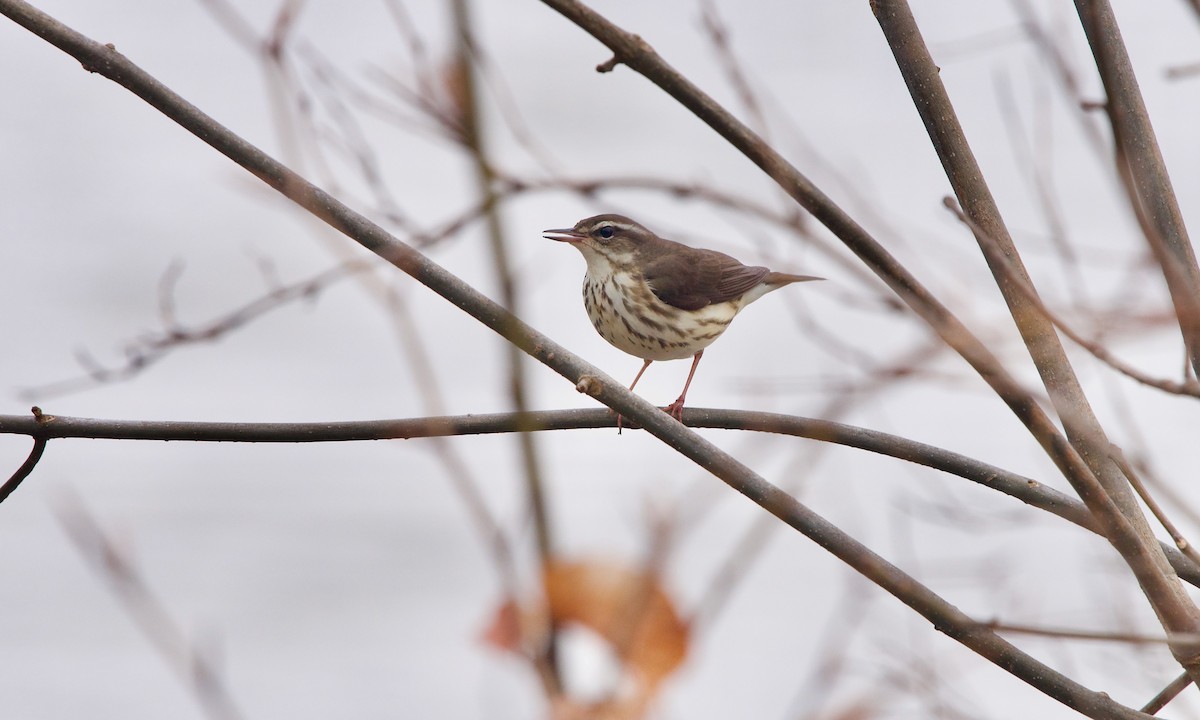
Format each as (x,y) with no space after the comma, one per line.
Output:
(606,232)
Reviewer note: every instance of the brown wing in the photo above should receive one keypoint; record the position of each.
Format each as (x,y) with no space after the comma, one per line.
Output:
(690,279)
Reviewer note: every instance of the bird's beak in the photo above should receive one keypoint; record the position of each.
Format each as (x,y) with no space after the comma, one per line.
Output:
(570,235)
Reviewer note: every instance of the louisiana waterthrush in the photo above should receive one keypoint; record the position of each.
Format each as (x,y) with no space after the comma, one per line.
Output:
(658,299)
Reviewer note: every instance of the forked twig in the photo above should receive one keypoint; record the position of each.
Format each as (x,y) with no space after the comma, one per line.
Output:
(35,454)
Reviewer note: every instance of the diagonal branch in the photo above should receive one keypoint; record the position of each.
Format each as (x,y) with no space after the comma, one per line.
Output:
(1138,150)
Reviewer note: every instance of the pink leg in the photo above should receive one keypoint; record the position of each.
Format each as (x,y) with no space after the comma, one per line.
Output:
(676,408)
(645,365)
(639,375)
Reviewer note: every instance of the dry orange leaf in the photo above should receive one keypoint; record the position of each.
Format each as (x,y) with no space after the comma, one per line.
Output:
(627,607)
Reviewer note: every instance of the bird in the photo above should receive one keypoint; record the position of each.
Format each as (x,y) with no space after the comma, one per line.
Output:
(658,299)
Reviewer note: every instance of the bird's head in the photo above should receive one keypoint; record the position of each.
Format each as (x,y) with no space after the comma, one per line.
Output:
(608,242)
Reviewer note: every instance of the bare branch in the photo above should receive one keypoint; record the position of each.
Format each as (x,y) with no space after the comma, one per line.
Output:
(1024,489)
(718,36)
(197,669)
(1168,237)
(1131,638)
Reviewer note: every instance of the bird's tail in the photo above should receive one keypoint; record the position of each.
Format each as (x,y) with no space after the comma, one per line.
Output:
(780,279)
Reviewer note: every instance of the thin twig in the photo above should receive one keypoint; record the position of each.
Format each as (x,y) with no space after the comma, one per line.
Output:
(1130,638)
(35,454)
(1135,480)
(1167,694)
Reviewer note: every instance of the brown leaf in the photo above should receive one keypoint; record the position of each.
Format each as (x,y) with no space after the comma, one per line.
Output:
(627,607)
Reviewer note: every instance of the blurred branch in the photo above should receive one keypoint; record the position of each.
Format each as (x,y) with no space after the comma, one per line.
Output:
(835,663)
(1131,638)
(1004,263)
(198,669)
(1035,152)
(150,348)
(1138,148)
(1019,487)
(944,616)
(1181,72)
(735,75)
(470,115)
(1167,694)
(1048,43)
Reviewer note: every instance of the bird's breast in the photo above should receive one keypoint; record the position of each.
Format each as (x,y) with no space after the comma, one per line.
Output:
(627,314)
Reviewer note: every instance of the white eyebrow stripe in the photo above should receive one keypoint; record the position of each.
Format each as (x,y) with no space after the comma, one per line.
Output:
(612,224)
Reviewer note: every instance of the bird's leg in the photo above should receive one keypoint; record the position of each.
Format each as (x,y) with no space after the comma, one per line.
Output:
(676,408)
(645,365)
(639,375)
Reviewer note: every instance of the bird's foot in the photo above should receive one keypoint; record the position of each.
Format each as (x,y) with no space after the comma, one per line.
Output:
(675,409)
(623,423)
(620,420)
